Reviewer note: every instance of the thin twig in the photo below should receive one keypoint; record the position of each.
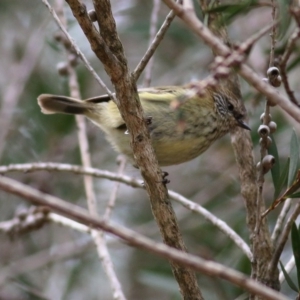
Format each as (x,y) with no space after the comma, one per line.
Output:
(153,26)
(247,73)
(283,239)
(196,263)
(50,166)
(221,225)
(288,268)
(283,64)
(78,51)
(135,183)
(280,220)
(45,257)
(20,73)
(153,46)
(111,202)
(98,237)
(273,34)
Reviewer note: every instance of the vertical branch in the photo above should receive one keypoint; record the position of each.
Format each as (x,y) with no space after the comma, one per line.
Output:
(243,150)
(113,195)
(283,64)
(109,50)
(20,74)
(98,237)
(153,46)
(153,27)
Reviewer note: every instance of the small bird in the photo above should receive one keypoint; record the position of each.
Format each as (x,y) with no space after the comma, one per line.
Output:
(177,134)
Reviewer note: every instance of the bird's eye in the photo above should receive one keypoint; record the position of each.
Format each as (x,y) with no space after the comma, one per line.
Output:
(230,106)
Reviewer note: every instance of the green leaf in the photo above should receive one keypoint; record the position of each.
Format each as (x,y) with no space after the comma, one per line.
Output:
(230,11)
(285,18)
(282,179)
(288,278)
(275,170)
(296,249)
(295,195)
(293,63)
(294,156)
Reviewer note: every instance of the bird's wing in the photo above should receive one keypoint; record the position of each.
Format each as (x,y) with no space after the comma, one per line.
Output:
(165,94)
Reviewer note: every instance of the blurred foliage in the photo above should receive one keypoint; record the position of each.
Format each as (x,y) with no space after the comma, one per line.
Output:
(210,180)
(295,238)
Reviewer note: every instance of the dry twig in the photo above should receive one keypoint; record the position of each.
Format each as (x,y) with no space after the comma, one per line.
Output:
(74,212)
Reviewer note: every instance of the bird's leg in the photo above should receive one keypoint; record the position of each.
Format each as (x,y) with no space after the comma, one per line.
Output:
(148,120)
(165,180)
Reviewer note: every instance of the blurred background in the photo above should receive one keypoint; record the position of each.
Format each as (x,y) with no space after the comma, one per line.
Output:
(28,66)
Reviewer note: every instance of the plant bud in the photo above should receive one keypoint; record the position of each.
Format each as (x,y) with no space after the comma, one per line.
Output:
(270,103)
(73,59)
(258,166)
(262,116)
(92,15)
(62,69)
(265,142)
(222,72)
(219,60)
(274,76)
(272,126)
(263,130)
(273,72)
(267,163)
(276,82)
(58,36)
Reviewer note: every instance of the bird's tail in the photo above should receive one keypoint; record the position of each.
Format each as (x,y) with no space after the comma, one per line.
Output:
(51,104)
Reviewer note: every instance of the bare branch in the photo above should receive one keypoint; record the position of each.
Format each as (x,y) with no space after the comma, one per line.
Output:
(283,64)
(283,239)
(153,26)
(45,257)
(109,50)
(111,202)
(153,46)
(135,184)
(280,220)
(77,50)
(98,237)
(74,212)
(249,75)
(20,73)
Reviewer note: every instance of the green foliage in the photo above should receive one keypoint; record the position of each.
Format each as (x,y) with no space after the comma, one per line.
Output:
(288,278)
(284,16)
(295,237)
(231,11)
(288,173)
(294,158)
(275,171)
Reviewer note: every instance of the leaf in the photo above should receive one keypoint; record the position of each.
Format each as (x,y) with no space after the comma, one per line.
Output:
(293,63)
(230,11)
(296,249)
(294,156)
(296,195)
(288,278)
(275,170)
(285,18)
(282,179)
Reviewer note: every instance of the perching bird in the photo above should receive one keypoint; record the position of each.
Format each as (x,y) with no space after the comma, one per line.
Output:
(204,117)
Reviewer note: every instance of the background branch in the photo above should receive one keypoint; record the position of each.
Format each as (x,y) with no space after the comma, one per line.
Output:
(80,215)
(109,50)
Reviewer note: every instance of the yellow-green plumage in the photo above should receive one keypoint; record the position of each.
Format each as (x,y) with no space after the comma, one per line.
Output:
(177,135)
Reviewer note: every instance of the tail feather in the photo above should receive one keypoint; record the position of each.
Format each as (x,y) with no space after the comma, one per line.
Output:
(51,104)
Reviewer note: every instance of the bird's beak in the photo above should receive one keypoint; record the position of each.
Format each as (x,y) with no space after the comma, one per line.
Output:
(242,124)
